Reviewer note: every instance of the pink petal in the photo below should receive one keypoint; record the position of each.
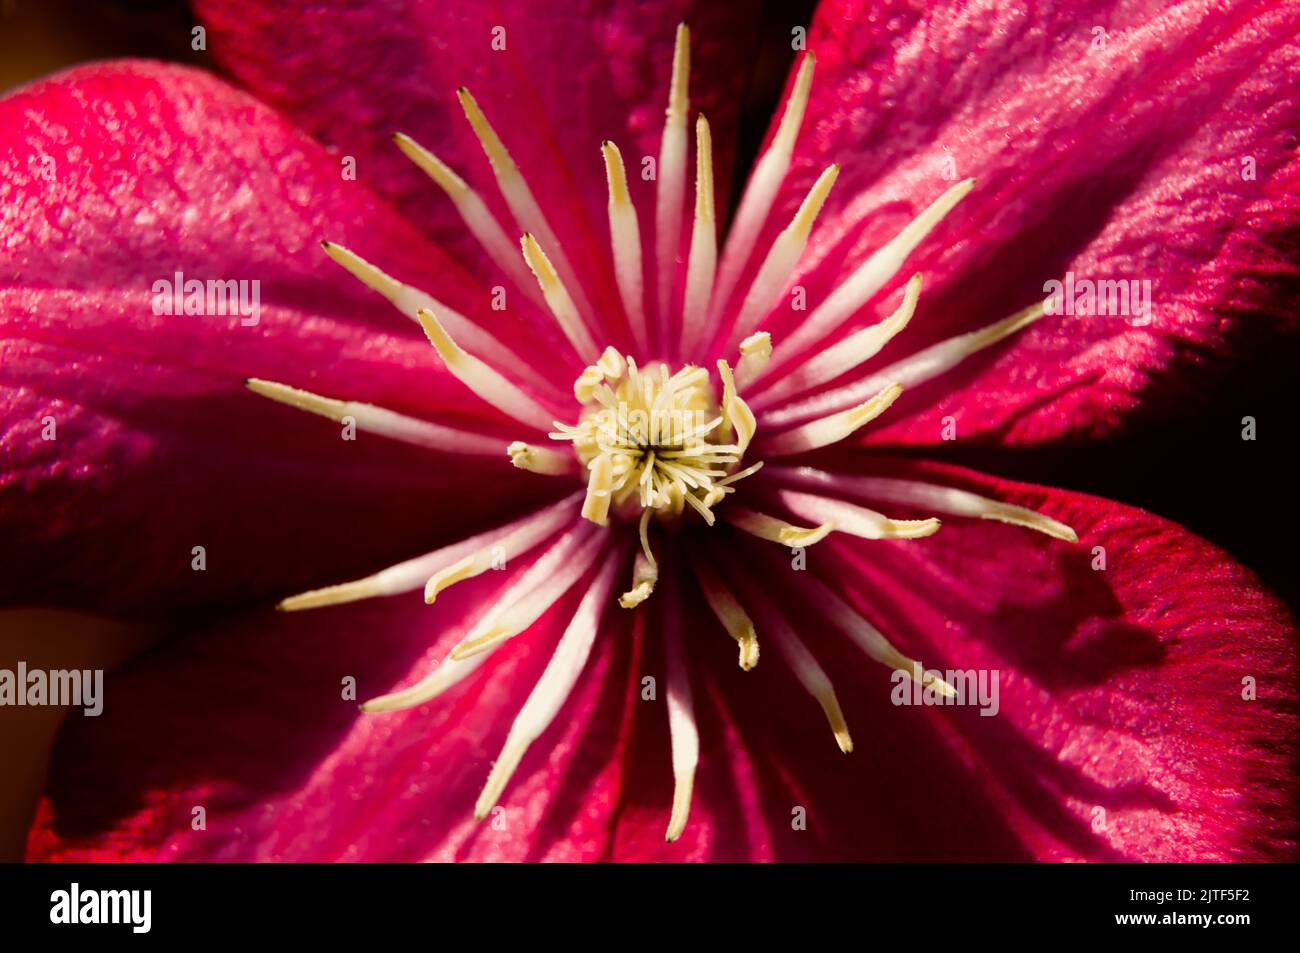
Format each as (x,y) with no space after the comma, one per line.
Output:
(1124,161)
(1120,690)
(159,448)
(246,718)
(566,80)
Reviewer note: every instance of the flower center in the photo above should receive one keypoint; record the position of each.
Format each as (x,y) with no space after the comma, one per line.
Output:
(654,441)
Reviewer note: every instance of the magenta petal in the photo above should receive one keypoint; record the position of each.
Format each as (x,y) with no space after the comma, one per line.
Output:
(1122,732)
(1104,140)
(247,719)
(157,447)
(566,80)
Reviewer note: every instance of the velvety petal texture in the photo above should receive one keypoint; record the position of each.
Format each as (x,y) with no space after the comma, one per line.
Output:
(553,79)
(1115,140)
(1123,729)
(1147,710)
(128,436)
(330,783)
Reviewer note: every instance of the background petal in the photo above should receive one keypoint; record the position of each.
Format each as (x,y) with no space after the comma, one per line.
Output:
(1116,140)
(114,177)
(1122,734)
(570,76)
(246,717)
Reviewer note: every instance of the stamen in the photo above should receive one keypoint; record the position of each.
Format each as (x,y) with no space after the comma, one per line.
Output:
(579,557)
(519,197)
(841,358)
(482,379)
(779,265)
(704,245)
(872,274)
(600,486)
(728,610)
(558,300)
(801,661)
(625,245)
(410,301)
(868,637)
(946,500)
(856,520)
(478,218)
(520,535)
(683,735)
(755,351)
(451,671)
(506,547)
(551,691)
(831,429)
(776,530)
(737,415)
(911,371)
(764,183)
(372,419)
(672,175)
(644,576)
(541,460)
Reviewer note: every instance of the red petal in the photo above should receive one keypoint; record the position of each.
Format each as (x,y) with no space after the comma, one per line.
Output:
(1113,154)
(246,719)
(159,448)
(566,80)
(1122,731)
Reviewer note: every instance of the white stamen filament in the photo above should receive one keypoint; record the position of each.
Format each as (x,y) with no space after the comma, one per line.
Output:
(774,274)
(729,611)
(867,637)
(552,689)
(558,300)
(842,357)
(377,420)
(684,737)
(777,530)
(582,546)
(945,500)
(833,428)
(451,671)
(872,274)
(625,245)
(519,197)
(504,548)
(703,258)
(672,176)
(802,663)
(482,379)
(411,301)
(856,520)
(478,218)
(412,574)
(738,417)
(917,369)
(764,183)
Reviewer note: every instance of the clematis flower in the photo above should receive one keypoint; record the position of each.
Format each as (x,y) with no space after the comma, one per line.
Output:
(705,471)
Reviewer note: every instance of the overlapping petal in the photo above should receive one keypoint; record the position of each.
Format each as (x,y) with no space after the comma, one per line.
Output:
(1114,140)
(128,437)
